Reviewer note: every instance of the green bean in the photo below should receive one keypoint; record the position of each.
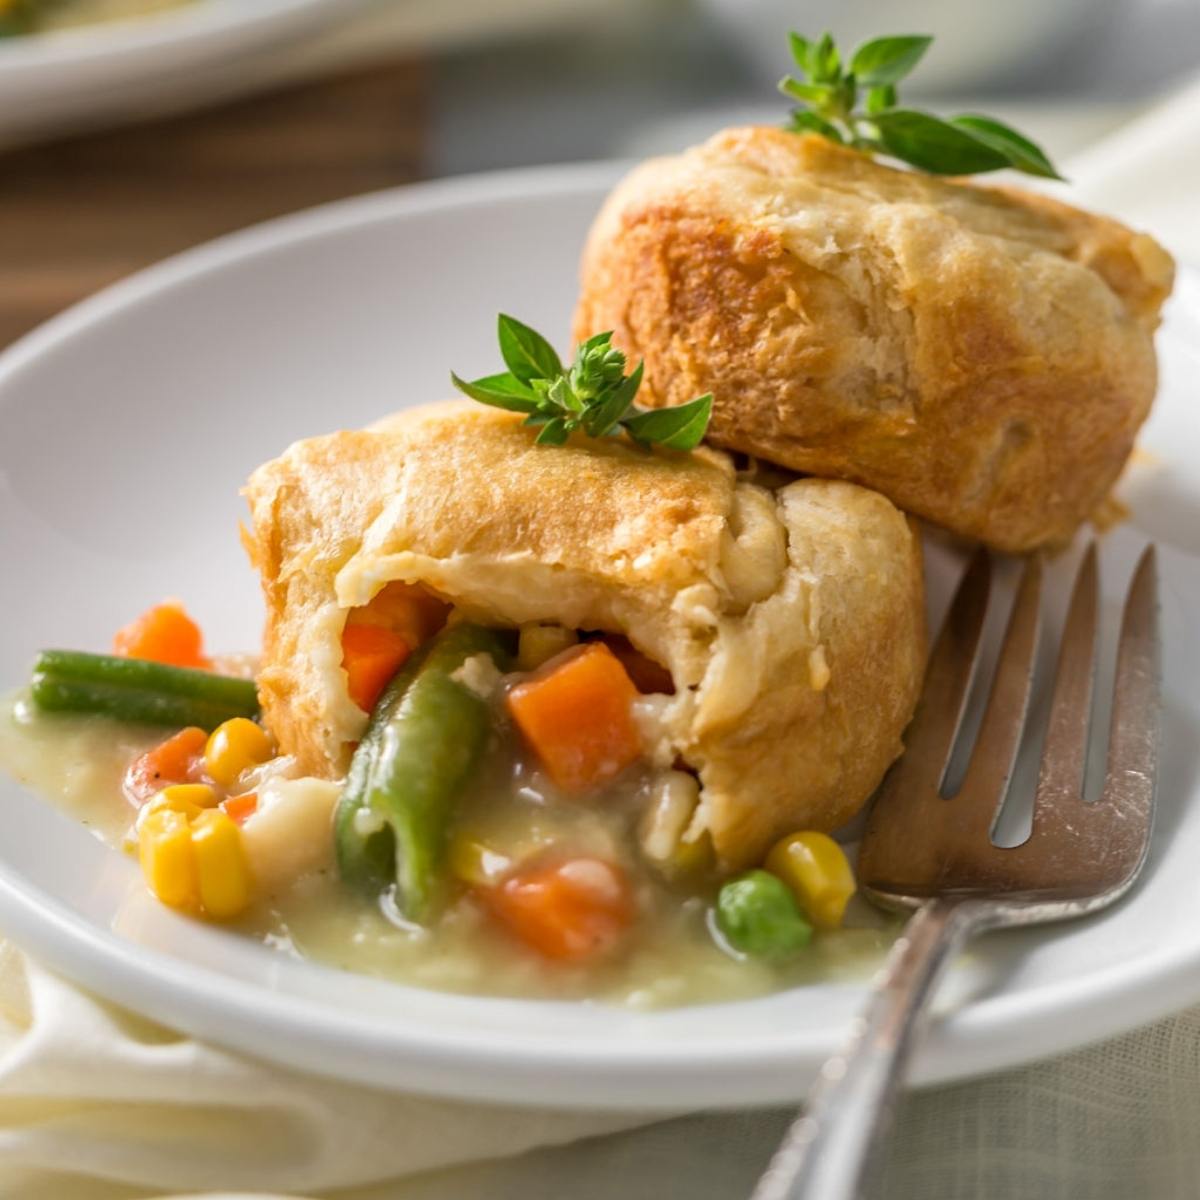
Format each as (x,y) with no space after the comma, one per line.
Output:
(758,916)
(423,743)
(135,689)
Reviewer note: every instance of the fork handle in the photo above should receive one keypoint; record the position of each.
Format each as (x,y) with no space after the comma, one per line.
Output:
(827,1152)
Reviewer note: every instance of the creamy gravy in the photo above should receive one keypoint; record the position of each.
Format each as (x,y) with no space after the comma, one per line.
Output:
(671,959)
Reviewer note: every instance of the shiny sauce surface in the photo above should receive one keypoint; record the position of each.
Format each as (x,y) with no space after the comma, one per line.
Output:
(669,958)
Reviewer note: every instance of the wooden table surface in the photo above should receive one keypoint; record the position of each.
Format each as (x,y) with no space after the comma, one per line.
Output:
(79,213)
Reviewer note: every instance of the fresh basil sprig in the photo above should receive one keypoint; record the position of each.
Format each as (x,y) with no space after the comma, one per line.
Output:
(594,395)
(828,94)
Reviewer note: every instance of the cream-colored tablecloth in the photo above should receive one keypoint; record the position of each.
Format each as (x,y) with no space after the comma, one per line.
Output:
(98,1104)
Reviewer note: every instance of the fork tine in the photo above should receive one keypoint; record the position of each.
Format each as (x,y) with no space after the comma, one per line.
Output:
(1064,755)
(1133,734)
(948,677)
(995,752)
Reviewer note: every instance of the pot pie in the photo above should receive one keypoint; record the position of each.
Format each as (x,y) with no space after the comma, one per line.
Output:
(787,625)
(982,356)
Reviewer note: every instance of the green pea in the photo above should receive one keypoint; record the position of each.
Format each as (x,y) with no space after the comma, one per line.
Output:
(758,915)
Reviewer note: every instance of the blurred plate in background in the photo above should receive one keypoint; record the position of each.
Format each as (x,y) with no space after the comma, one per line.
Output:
(85,74)
(208,50)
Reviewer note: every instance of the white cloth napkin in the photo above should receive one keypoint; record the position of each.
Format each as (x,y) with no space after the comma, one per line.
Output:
(99,1104)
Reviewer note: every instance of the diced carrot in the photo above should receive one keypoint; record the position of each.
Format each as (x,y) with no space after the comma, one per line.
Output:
(239,808)
(380,636)
(647,675)
(571,911)
(180,759)
(371,655)
(405,608)
(575,713)
(165,634)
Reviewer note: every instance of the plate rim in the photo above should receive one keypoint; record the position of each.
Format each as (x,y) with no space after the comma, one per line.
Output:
(208,22)
(1000,1031)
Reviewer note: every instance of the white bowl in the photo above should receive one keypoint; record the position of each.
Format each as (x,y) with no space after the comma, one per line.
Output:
(146,65)
(127,426)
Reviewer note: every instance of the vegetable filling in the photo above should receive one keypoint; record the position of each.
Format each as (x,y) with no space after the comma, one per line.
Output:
(502,773)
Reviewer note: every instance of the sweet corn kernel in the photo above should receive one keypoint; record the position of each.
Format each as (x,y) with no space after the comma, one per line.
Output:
(815,867)
(220,859)
(191,853)
(180,796)
(233,747)
(537,644)
(476,863)
(190,799)
(168,860)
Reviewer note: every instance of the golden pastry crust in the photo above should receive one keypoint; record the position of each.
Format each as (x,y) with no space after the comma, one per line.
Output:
(792,621)
(982,356)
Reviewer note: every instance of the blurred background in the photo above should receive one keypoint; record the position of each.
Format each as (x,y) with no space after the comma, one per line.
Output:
(125,138)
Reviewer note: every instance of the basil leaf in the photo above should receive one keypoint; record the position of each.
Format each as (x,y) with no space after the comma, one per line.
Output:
(594,342)
(595,397)
(598,366)
(525,352)
(500,391)
(554,433)
(808,122)
(605,413)
(884,61)
(679,428)
(1021,153)
(826,62)
(802,50)
(880,98)
(854,103)
(562,396)
(935,145)
(807,93)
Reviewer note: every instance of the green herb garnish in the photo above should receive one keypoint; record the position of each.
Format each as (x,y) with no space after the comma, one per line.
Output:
(828,92)
(594,396)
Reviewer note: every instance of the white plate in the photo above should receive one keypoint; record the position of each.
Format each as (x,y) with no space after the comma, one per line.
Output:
(145,65)
(212,50)
(126,428)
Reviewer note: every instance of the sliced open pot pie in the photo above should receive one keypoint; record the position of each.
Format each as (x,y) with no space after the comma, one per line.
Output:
(564,719)
(983,356)
(786,626)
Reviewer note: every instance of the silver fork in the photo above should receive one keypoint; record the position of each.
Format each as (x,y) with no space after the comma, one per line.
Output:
(935,855)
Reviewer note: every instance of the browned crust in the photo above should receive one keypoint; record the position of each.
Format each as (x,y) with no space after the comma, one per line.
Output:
(791,704)
(983,357)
